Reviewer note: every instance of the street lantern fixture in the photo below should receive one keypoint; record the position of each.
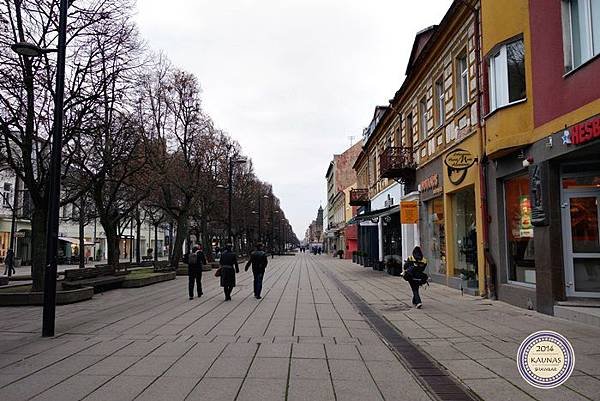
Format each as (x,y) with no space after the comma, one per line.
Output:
(27,49)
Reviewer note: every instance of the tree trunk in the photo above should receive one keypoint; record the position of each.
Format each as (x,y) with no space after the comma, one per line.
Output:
(81,240)
(206,244)
(81,233)
(156,242)
(112,243)
(138,241)
(182,227)
(38,247)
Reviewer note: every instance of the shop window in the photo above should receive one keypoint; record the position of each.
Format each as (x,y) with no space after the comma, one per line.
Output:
(465,235)
(507,75)
(440,104)
(423,117)
(462,80)
(581,31)
(519,231)
(435,239)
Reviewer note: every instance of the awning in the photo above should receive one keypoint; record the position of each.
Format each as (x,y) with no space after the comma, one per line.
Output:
(374,214)
(75,241)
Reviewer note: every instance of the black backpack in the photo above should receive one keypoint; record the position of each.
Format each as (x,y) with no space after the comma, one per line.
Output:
(414,271)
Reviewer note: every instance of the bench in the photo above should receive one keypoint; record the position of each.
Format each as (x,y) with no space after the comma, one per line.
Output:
(162,266)
(99,277)
(149,257)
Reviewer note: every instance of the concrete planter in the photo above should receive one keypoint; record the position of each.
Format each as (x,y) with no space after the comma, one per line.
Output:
(144,281)
(63,297)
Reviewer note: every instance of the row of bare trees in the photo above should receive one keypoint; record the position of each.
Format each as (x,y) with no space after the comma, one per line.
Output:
(136,142)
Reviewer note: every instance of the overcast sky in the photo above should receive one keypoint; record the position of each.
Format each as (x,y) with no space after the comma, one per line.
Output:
(291,80)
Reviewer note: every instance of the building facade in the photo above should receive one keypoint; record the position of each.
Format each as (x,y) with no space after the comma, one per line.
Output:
(339,177)
(420,167)
(15,205)
(542,129)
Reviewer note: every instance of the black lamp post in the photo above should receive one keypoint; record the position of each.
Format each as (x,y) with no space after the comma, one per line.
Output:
(31,50)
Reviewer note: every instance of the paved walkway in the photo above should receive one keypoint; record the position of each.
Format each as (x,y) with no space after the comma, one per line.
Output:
(303,341)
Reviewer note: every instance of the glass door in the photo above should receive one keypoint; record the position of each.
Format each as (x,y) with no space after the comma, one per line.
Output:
(582,243)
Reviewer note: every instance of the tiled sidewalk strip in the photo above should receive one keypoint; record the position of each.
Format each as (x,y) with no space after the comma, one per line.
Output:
(429,374)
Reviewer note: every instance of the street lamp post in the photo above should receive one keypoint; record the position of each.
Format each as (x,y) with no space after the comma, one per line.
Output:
(30,50)
(232,160)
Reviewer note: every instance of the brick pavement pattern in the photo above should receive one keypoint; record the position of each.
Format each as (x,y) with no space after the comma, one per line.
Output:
(303,341)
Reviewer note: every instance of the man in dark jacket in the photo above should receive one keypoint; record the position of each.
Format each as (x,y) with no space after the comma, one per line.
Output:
(258,260)
(9,262)
(196,260)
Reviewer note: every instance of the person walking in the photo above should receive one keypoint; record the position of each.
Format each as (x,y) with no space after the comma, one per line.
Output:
(229,267)
(259,261)
(414,273)
(9,263)
(196,260)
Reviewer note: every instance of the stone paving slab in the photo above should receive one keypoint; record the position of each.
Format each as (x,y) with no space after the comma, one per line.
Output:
(303,341)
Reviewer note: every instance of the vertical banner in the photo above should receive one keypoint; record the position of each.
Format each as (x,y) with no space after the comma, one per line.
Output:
(409,212)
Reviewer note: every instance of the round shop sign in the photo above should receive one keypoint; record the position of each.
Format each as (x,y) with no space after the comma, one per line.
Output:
(545,359)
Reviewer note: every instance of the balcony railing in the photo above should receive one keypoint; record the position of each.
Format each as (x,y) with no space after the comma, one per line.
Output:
(398,163)
(359,197)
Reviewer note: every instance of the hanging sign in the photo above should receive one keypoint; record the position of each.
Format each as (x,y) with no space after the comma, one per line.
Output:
(409,212)
(458,161)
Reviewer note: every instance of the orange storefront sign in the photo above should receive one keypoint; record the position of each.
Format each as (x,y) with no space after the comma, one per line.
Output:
(409,212)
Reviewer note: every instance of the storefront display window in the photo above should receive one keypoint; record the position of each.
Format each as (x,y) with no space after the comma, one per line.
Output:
(392,235)
(435,249)
(519,230)
(465,234)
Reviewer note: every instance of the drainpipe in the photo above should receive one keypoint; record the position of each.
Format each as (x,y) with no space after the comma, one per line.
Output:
(490,271)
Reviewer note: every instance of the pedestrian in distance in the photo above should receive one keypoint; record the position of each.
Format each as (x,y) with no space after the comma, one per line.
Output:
(229,267)
(414,273)
(196,260)
(259,261)
(9,263)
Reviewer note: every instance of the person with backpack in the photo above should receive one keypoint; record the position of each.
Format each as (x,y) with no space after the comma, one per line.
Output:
(196,260)
(258,260)
(414,273)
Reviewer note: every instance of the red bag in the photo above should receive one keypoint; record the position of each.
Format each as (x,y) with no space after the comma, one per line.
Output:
(218,272)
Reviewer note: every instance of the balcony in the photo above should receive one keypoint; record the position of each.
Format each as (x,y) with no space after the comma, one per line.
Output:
(398,163)
(359,197)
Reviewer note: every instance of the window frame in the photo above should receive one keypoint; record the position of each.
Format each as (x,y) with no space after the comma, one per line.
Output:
(568,38)
(497,63)
(440,101)
(410,130)
(462,76)
(423,117)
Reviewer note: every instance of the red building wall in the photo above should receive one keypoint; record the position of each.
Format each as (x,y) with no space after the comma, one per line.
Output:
(555,95)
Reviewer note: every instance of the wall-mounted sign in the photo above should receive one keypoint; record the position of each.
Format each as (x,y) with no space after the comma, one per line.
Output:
(389,202)
(458,162)
(459,159)
(583,132)
(409,212)
(430,183)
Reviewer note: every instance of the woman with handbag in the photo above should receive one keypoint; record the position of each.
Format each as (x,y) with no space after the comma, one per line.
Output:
(229,267)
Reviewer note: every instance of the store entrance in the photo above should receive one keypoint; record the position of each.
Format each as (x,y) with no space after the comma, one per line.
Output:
(581,232)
